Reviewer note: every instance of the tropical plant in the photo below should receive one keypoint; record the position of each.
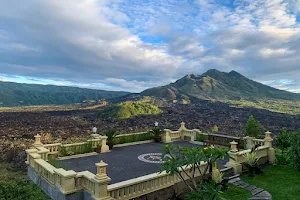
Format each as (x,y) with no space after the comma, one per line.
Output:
(283,141)
(156,131)
(251,162)
(253,127)
(208,190)
(184,161)
(111,134)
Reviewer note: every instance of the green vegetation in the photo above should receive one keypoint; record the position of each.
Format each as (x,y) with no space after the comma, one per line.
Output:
(132,138)
(215,129)
(14,185)
(130,109)
(253,127)
(176,157)
(281,106)
(74,150)
(281,181)
(16,94)
(236,193)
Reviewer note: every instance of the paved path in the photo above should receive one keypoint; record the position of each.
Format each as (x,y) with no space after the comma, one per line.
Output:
(257,193)
(123,162)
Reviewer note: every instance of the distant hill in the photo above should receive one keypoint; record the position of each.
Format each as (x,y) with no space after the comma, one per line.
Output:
(130,109)
(16,94)
(218,85)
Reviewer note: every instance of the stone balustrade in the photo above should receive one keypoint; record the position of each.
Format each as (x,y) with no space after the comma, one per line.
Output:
(264,152)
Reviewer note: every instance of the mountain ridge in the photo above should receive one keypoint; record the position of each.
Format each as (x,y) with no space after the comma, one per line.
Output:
(218,85)
(16,94)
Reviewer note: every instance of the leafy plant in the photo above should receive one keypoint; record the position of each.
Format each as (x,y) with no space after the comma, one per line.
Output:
(251,162)
(253,127)
(215,129)
(283,141)
(295,151)
(156,131)
(208,190)
(111,134)
(177,159)
(62,151)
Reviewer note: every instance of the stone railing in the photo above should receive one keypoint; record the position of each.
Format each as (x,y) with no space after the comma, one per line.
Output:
(265,152)
(146,184)
(181,134)
(53,149)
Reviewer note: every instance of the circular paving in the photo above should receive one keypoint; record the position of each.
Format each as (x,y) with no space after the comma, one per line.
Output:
(151,158)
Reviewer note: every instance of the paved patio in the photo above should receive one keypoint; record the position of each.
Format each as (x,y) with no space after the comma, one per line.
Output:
(126,162)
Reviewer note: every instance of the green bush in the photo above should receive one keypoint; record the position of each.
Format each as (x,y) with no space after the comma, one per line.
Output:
(201,138)
(295,151)
(20,190)
(283,157)
(132,138)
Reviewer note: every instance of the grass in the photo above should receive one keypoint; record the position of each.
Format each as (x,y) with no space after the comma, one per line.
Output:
(281,181)
(15,185)
(236,193)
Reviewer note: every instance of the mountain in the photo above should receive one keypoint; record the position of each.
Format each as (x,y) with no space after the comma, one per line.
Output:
(217,85)
(15,94)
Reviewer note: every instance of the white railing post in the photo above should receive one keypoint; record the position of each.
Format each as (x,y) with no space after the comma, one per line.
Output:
(249,142)
(181,130)
(234,161)
(271,151)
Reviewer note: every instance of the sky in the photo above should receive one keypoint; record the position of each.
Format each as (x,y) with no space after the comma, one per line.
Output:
(132,45)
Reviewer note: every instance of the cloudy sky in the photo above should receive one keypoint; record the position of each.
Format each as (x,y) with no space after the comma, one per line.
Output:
(135,44)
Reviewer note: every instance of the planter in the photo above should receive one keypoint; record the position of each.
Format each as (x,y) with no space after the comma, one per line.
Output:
(110,144)
(157,138)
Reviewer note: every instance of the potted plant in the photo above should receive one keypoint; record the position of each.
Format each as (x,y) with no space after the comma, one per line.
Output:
(156,134)
(110,136)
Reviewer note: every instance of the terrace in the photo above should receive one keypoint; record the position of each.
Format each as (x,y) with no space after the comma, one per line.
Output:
(129,170)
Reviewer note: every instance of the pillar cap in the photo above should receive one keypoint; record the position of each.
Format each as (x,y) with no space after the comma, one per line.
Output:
(233,142)
(101,164)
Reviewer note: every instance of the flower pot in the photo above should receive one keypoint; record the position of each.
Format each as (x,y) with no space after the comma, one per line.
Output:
(110,144)
(157,138)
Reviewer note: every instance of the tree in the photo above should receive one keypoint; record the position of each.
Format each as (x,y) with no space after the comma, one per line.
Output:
(253,127)
(177,159)
(283,141)
(215,129)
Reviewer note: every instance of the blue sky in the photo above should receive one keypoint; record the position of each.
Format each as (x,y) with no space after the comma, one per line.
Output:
(133,45)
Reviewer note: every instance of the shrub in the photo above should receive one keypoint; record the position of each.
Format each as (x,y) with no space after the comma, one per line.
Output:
(295,151)
(283,141)
(215,129)
(156,131)
(253,127)
(111,134)
(201,137)
(132,138)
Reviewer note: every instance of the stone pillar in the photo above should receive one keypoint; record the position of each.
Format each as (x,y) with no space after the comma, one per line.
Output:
(37,142)
(194,134)
(233,145)
(28,152)
(234,161)
(269,143)
(166,138)
(67,180)
(102,180)
(182,126)
(249,142)
(104,147)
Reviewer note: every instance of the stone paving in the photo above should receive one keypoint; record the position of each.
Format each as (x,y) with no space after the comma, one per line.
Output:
(257,193)
(127,162)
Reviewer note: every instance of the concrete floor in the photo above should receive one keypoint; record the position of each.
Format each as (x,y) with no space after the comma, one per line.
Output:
(123,162)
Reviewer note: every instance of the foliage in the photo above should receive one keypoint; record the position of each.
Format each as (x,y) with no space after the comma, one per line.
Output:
(16,94)
(201,137)
(236,193)
(283,157)
(177,159)
(130,109)
(14,185)
(156,131)
(74,150)
(132,138)
(111,134)
(281,181)
(208,190)
(251,162)
(55,163)
(253,127)
(283,141)
(215,129)
(295,151)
